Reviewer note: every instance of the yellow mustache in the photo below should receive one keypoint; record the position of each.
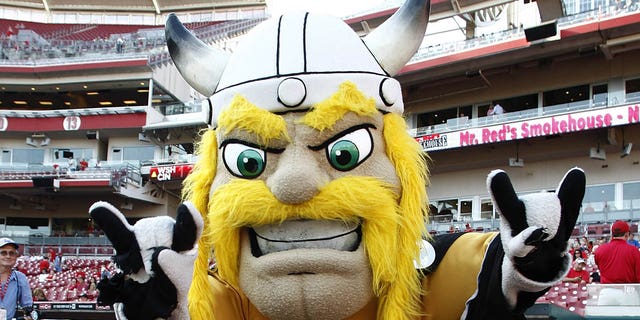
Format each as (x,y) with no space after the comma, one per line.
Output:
(245,203)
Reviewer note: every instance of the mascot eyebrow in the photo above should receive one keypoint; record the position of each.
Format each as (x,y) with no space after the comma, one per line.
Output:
(244,115)
(348,98)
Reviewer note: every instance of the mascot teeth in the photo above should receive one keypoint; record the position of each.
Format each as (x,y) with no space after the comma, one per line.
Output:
(305,234)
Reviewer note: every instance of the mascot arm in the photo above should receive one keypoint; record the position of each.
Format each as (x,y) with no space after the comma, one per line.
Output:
(500,275)
(534,232)
(155,257)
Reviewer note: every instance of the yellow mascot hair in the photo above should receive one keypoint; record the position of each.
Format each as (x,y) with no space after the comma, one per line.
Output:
(196,189)
(396,283)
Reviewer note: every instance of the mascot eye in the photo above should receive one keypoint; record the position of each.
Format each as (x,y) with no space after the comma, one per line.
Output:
(244,161)
(348,151)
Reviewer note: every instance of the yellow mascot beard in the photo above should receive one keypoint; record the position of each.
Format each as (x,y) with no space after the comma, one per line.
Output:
(391,224)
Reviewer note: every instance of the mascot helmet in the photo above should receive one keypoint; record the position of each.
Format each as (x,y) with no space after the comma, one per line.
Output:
(293,62)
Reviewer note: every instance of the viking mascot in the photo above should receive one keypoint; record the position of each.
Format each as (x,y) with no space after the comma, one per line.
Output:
(310,195)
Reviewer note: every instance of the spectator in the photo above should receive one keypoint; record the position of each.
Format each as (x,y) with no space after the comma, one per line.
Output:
(57,262)
(578,274)
(495,110)
(618,261)
(633,241)
(52,255)
(83,164)
(51,276)
(39,295)
(73,284)
(104,273)
(93,284)
(44,264)
(15,286)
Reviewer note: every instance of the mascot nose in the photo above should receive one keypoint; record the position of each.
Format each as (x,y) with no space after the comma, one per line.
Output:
(297,178)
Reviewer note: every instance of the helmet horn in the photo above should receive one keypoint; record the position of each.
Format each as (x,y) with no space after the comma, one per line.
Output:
(199,64)
(396,40)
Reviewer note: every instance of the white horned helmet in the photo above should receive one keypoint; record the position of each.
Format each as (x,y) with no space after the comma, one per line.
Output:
(299,59)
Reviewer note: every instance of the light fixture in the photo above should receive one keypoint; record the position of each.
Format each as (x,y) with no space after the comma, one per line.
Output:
(15,205)
(45,141)
(126,205)
(38,139)
(143,90)
(92,93)
(517,161)
(626,148)
(20,102)
(45,103)
(31,142)
(597,153)
(129,102)
(105,103)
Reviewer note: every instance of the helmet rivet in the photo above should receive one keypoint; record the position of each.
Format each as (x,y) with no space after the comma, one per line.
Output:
(291,92)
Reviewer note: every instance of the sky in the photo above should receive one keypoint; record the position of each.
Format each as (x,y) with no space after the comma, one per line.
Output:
(339,8)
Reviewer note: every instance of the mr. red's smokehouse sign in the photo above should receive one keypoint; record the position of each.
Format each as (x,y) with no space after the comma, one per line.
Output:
(565,123)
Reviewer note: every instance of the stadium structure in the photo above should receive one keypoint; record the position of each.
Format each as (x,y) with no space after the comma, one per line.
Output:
(92,108)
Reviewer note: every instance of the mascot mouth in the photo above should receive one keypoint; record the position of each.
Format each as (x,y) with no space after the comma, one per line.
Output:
(305,234)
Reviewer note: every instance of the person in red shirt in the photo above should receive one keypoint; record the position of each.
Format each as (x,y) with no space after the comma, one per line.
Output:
(618,261)
(44,265)
(578,274)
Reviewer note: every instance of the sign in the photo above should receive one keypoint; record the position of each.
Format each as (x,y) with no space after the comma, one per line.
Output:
(170,172)
(538,127)
(71,123)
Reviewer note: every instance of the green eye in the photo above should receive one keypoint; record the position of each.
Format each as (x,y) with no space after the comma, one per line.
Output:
(349,150)
(250,163)
(243,161)
(344,155)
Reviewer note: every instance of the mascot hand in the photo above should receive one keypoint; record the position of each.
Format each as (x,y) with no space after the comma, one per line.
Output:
(155,257)
(535,228)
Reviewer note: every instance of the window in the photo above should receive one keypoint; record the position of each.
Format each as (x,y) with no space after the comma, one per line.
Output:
(138,153)
(78,154)
(529,101)
(599,95)
(565,95)
(448,208)
(598,198)
(28,156)
(632,90)
(486,209)
(631,195)
(465,210)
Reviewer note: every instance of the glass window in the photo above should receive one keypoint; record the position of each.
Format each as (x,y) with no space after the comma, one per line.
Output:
(529,101)
(28,156)
(138,153)
(598,198)
(465,210)
(565,95)
(75,153)
(486,209)
(632,90)
(448,207)
(631,195)
(600,95)
(27,225)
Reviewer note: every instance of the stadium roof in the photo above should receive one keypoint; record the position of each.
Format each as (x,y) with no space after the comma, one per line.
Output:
(157,6)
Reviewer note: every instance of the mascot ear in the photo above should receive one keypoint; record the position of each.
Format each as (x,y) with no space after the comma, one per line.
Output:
(121,235)
(506,199)
(571,192)
(116,227)
(187,229)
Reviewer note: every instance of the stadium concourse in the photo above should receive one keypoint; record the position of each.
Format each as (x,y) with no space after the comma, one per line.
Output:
(93,109)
